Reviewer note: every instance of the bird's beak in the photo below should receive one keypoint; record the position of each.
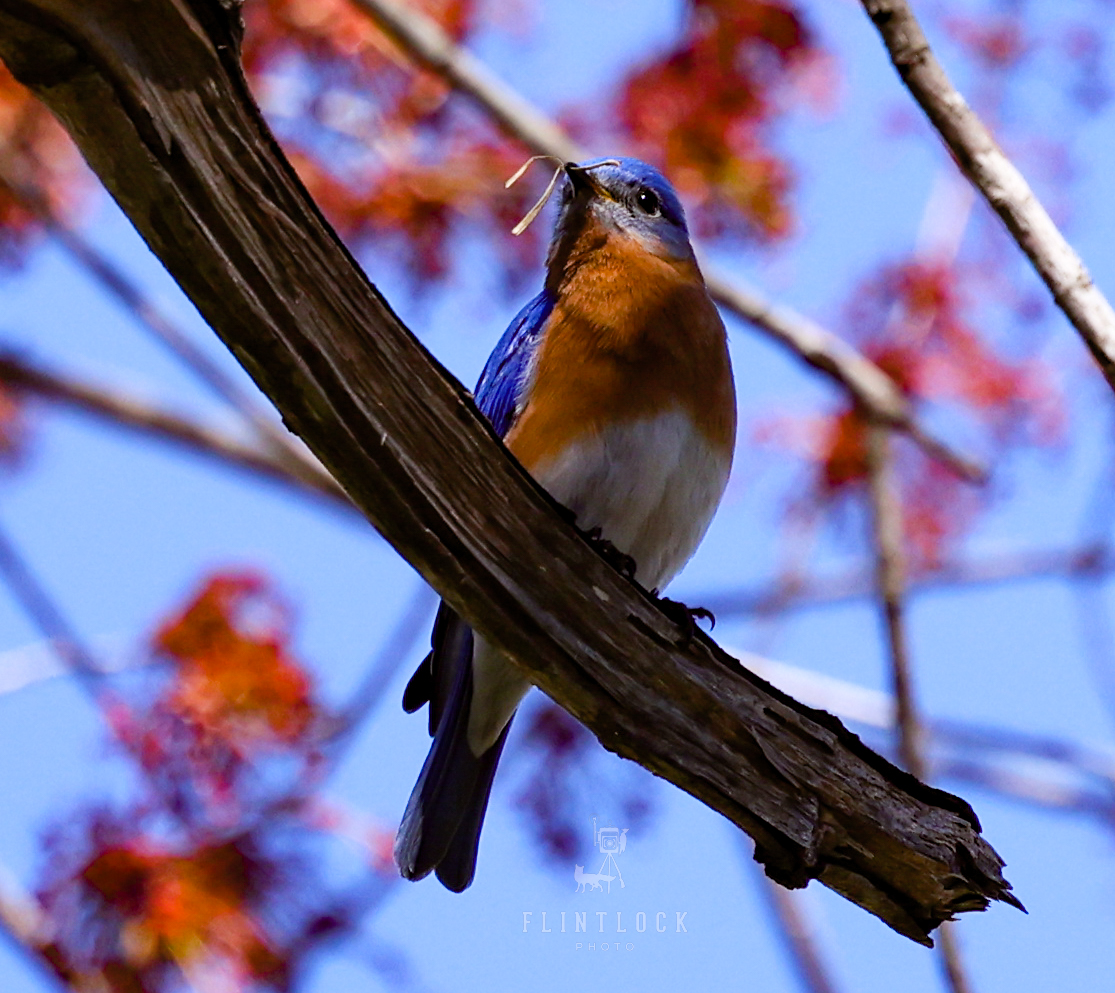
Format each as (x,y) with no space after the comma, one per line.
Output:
(581,179)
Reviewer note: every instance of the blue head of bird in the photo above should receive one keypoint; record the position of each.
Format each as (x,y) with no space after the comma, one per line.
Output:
(623,198)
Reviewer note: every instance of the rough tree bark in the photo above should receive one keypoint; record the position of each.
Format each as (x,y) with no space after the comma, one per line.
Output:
(154,95)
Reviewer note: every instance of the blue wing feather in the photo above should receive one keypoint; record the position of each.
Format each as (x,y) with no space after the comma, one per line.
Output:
(441,826)
(504,377)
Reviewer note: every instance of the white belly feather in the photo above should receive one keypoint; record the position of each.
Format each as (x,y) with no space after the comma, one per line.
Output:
(651,486)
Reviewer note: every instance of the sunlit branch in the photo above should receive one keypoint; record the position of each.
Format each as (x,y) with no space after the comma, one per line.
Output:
(998,179)
(429,46)
(20,914)
(799,936)
(890,585)
(23,921)
(115,407)
(888,538)
(1031,789)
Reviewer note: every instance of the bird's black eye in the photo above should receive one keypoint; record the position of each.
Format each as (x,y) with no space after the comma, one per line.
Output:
(648,202)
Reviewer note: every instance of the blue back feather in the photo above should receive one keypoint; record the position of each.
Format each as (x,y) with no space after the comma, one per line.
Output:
(504,377)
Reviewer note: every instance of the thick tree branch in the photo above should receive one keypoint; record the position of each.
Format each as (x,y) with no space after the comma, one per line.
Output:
(1052,773)
(997,178)
(302,474)
(425,42)
(155,98)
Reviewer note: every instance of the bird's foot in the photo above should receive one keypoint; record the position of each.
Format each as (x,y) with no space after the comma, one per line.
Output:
(620,561)
(685,617)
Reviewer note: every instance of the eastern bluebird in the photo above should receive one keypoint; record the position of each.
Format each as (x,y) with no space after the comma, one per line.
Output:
(614,389)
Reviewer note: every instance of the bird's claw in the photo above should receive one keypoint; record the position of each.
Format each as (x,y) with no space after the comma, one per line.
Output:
(686,617)
(620,561)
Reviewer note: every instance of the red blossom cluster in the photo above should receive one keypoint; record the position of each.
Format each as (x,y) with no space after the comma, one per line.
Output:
(236,680)
(236,696)
(36,153)
(380,145)
(144,915)
(391,156)
(994,43)
(917,321)
(702,111)
(206,878)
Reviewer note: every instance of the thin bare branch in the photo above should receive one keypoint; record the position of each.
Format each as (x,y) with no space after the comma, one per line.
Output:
(890,582)
(20,914)
(998,179)
(1036,770)
(793,924)
(890,578)
(799,937)
(1087,563)
(23,922)
(948,950)
(116,408)
(427,44)
(17,174)
(44,613)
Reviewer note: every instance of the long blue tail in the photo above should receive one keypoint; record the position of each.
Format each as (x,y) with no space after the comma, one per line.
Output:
(441,825)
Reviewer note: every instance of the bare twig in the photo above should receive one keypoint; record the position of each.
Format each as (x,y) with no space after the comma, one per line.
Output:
(20,914)
(113,406)
(998,179)
(17,174)
(1086,563)
(24,923)
(890,580)
(890,572)
(101,268)
(794,926)
(799,937)
(41,609)
(1050,772)
(423,39)
(948,947)
(427,44)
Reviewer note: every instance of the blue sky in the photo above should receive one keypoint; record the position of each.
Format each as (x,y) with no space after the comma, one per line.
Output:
(121,530)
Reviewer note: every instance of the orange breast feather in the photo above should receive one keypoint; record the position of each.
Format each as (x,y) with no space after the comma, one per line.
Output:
(632,336)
